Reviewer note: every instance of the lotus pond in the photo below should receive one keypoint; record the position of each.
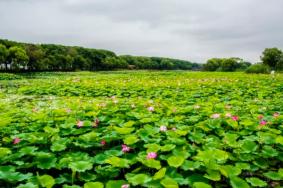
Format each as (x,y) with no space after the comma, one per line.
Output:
(141,129)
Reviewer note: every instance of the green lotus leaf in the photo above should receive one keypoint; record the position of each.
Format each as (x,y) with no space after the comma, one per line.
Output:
(124,130)
(46,181)
(273,175)
(248,146)
(100,158)
(229,170)
(58,146)
(169,183)
(28,150)
(71,186)
(93,185)
(80,166)
(152,163)
(167,147)
(207,156)
(175,161)
(269,151)
(279,140)
(27,185)
(88,137)
(159,174)
(213,175)
(115,183)
(138,179)
(237,182)
(231,140)
(130,140)
(243,166)
(152,147)
(190,165)
(256,182)
(129,124)
(87,176)
(4,152)
(201,185)
(45,160)
(118,162)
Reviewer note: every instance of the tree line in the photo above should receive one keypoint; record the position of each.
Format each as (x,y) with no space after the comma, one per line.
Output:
(16,56)
(271,59)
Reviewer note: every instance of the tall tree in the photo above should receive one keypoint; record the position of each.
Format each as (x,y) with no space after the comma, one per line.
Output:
(3,55)
(18,57)
(36,54)
(270,57)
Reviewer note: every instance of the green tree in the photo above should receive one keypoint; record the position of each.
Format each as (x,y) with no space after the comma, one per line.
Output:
(166,64)
(3,55)
(18,57)
(35,54)
(229,64)
(270,57)
(279,65)
(213,64)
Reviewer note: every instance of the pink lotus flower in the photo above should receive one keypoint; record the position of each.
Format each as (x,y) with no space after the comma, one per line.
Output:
(68,110)
(113,97)
(151,155)
(16,140)
(263,122)
(228,115)
(215,116)
(125,186)
(163,128)
(125,148)
(103,142)
(235,118)
(276,114)
(174,129)
(80,124)
(260,117)
(174,110)
(151,108)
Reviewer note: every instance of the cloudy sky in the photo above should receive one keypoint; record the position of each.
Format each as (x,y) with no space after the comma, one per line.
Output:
(187,29)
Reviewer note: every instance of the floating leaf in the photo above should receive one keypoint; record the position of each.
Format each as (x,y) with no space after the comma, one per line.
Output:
(46,181)
(201,185)
(256,182)
(175,161)
(80,166)
(115,183)
(273,175)
(237,182)
(139,179)
(129,140)
(169,183)
(118,162)
(160,174)
(93,185)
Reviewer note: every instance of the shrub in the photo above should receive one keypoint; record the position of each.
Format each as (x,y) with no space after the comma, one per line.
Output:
(258,68)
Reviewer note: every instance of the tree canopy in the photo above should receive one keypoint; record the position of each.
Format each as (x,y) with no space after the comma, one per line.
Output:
(15,56)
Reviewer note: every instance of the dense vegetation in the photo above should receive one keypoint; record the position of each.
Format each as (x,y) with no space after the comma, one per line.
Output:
(272,59)
(141,129)
(16,56)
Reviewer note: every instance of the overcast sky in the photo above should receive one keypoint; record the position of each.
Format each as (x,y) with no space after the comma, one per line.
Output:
(187,29)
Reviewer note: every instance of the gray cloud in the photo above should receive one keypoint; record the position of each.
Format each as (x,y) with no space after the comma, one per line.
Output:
(186,29)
